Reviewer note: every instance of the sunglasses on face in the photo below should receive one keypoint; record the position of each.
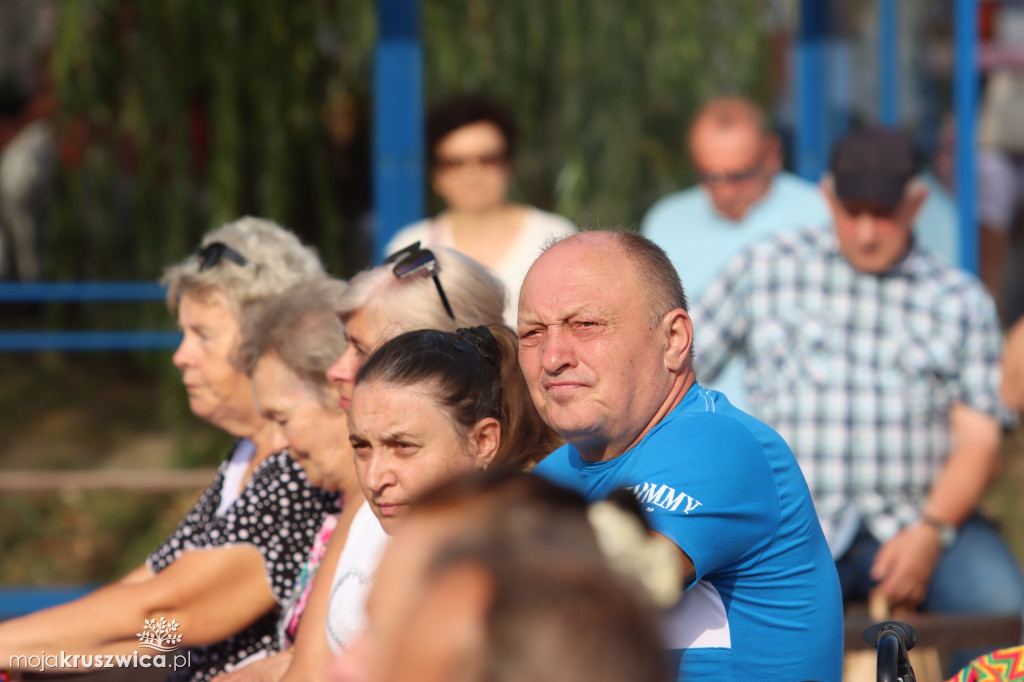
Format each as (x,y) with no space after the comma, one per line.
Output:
(413,259)
(212,253)
(492,160)
(735,177)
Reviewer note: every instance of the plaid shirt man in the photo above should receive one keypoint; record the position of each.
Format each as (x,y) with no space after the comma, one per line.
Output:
(857,371)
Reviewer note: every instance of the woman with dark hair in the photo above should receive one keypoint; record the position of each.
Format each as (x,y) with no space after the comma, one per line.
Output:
(471,142)
(429,404)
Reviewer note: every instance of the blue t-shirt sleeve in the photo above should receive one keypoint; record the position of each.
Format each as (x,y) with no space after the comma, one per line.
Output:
(713,493)
(557,469)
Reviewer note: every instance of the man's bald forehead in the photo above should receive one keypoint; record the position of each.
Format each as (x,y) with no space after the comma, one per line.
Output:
(658,282)
(590,244)
(726,113)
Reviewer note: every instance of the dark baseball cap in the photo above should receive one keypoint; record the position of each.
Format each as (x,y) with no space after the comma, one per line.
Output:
(873,164)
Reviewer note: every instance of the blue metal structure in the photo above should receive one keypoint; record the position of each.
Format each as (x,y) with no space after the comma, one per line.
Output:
(813,140)
(398,120)
(888,62)
(20,600)
(812,90)
(965,92)
(77,292)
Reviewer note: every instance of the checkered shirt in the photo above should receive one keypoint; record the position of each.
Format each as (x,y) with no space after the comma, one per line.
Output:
(856,371)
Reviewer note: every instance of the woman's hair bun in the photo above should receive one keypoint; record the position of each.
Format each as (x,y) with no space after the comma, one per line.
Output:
(481,338)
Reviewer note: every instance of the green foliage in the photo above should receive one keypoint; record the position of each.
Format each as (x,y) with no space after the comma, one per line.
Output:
(602,91)
(190,113)
(83,537)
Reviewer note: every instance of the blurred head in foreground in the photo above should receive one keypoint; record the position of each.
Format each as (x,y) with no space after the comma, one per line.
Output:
(497,576)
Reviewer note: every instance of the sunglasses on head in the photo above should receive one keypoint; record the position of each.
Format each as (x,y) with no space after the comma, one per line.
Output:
(413,259)
(212,253)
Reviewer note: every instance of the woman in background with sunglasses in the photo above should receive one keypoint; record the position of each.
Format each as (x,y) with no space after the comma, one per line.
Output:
(222,576)
(471,141)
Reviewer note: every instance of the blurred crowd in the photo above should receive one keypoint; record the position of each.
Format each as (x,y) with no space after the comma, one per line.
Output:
(516,450)
(520,449)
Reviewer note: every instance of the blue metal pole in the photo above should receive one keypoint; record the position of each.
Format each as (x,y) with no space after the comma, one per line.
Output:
(397,120)
(965,91)
(26,292)
(888,61)
(811,91)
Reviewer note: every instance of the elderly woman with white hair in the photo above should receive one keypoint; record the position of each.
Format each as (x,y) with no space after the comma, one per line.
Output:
(416,288)
(220,579)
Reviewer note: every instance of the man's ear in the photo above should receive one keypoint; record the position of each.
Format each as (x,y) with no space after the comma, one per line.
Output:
(772,152)
(484,441)
(913,199)
(679,337)
(828,187)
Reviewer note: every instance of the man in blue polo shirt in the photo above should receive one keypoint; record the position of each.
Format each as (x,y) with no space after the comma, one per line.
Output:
(605,346)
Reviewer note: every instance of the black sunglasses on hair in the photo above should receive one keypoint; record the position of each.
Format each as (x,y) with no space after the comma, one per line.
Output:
(211,254)
(413,259)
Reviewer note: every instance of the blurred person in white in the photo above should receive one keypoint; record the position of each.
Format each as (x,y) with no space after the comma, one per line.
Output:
(471,143)
(234,560)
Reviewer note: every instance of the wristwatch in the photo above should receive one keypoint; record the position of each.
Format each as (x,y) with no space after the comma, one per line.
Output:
(947,531)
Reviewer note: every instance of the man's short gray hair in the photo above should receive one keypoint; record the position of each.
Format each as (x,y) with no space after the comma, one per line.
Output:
(276,261)
(657,275)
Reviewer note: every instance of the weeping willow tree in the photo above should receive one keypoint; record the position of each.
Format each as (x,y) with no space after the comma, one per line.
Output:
(176,115)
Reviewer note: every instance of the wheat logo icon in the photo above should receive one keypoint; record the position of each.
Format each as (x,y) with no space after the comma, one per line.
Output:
(159,635)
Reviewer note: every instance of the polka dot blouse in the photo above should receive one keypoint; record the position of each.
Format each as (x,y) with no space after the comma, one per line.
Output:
(279,513)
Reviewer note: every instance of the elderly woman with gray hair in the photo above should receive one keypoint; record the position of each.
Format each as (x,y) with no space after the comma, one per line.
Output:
(221,578)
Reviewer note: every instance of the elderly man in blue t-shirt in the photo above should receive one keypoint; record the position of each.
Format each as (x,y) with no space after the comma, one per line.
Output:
(605,346)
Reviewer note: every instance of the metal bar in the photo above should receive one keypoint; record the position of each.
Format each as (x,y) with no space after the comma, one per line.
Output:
(17,601)
(811,90)
(888,61)
(20,341)
(397,120)
(154,480)
(965,93)
(18,292)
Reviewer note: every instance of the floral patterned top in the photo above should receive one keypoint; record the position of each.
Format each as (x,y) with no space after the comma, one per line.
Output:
(288,625)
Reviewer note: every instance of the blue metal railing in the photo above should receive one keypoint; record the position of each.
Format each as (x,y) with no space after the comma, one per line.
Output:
(78,292)
(17,601)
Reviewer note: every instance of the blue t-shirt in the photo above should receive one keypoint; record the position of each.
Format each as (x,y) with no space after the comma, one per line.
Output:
(700,241)
(726,489)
